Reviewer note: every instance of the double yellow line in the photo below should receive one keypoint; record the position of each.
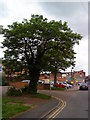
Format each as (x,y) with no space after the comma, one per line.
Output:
(51,117)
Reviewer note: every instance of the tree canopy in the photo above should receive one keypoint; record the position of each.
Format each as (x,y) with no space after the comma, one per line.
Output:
(29,43)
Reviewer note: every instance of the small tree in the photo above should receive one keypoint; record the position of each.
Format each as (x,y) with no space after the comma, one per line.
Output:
(56,60)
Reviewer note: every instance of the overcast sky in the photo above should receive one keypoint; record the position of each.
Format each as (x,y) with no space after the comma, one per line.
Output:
(75,13)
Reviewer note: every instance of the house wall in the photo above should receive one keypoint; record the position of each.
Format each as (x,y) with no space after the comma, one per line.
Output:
(51,76)
(80,74)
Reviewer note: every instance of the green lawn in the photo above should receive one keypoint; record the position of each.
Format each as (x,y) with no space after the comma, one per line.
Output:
(41,96)
(11,107)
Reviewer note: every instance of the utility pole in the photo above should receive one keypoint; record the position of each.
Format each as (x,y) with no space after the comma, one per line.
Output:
(50,82)
(71,72)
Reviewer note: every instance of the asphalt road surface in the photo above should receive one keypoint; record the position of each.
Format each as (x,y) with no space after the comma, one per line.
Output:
(76,103)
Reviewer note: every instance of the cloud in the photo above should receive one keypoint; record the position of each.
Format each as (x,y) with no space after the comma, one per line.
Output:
(76,14)
(3,9)
(82,55)
(60,8)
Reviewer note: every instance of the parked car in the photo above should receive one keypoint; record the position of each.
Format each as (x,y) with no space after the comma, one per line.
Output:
(66,84)
(83,86)
(51,83)
(69,85)
(78,83)
(60,85)
(25,81)
(40,81)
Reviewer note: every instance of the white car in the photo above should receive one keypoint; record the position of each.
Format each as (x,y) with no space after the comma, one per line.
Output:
(66,84)
(25,81)
(69,85)
(40,81)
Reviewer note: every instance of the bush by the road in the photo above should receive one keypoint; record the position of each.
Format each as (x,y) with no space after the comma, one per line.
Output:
(5,82)
(12,91)
(55,88)
(25,89)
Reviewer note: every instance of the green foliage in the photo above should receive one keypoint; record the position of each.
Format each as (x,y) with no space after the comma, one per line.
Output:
(14,80)
(12,91)
(25,89)
(55,88)
(30,43)
(1,29)
(5,82)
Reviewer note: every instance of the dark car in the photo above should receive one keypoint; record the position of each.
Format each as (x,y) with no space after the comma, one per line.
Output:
(83,86)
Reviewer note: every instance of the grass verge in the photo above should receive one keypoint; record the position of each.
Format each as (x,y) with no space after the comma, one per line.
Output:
(11,107)
(41,96)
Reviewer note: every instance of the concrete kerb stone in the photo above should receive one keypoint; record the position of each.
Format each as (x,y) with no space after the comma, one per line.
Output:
(51,109)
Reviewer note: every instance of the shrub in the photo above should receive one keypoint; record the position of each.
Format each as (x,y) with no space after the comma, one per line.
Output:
(14,80)
(5,82)
(12,91)
(25,89)
(54,88)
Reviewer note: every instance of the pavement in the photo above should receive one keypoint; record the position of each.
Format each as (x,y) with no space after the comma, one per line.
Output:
(73,88)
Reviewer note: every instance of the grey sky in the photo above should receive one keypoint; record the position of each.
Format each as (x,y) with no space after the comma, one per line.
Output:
(75,13)
(3,9)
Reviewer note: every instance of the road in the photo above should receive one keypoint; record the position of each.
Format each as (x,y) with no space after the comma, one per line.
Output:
(76,103)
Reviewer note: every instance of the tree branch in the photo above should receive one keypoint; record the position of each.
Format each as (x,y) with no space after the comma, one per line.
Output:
(32,54)
(27,57)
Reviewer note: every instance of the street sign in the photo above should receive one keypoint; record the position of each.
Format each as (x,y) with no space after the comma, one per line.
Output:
(0,68)
(72,78)
(72,82)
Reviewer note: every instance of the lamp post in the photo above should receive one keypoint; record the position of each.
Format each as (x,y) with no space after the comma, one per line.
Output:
(50,82)
(71,72)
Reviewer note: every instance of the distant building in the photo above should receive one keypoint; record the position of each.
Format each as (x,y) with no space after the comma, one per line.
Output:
(76,76)
(79,76)
(87,79)
(49,76)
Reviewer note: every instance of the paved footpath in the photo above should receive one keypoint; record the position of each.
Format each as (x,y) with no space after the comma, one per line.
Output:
(39,111)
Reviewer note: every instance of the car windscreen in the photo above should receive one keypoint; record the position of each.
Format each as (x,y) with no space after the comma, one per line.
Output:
(84,84)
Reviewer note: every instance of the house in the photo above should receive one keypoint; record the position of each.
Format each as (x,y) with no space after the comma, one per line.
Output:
(87,79)
(75,76)
(46,76)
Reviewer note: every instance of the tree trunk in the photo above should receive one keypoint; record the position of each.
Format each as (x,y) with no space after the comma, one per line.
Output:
(55,77)
(34,77)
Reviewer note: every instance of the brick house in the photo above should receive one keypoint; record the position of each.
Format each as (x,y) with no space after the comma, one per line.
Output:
(50,76)
(78,76)
(87,79)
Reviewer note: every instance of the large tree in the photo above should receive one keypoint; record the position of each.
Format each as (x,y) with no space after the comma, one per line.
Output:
(26,43)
